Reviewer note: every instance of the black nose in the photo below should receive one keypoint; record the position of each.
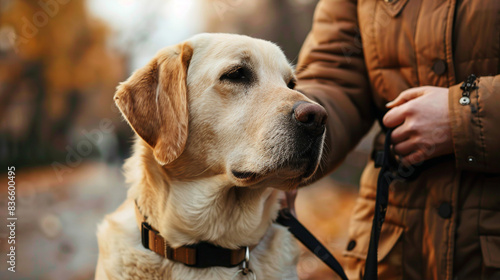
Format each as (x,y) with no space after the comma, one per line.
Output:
(311,117)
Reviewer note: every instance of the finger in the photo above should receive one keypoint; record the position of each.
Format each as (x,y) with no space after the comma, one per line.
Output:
(400,134)
(394,117)
(405,148)
(414,158)
(406,96)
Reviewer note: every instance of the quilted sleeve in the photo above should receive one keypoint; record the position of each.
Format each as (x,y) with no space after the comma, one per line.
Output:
(331,71)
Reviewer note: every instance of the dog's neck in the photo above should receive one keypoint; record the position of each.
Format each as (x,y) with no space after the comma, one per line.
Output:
(208,209)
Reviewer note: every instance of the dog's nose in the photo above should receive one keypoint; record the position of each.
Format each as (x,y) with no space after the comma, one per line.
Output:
(311,117)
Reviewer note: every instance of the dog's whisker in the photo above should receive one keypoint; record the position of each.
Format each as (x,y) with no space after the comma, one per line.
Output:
(205,170)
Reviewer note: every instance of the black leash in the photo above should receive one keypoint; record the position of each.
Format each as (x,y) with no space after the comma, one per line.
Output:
(285,218)
(385,178)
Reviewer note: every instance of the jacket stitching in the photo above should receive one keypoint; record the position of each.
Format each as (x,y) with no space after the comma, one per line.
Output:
(479,215)
(479,208)
(475,59)
(449,24)
(481,129)
(415,52)
(455,183)
(445,44)
(424,259)
(377,58)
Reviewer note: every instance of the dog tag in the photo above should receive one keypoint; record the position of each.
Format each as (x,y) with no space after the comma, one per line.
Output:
(464,101)
(244,275)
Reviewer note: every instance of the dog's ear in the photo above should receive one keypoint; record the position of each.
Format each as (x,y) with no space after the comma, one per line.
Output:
(154,102)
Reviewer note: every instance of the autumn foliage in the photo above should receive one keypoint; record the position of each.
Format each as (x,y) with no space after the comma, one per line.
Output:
(57,72)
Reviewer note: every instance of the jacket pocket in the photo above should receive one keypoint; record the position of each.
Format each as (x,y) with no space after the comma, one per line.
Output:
(390,251)
(394,7)
(359,239)
(490,248)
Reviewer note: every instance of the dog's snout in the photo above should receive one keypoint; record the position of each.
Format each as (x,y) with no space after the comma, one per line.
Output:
(310,116)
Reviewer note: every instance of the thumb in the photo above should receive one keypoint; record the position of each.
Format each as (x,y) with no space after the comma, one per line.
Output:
(406,96)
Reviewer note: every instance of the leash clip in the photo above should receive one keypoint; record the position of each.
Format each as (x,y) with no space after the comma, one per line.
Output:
(241,271)
(244,265)
(245,270)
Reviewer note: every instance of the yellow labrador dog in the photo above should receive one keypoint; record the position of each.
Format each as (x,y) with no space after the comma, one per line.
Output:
(220,132)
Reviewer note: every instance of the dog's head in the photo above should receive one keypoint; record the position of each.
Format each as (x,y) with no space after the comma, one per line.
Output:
(225,104)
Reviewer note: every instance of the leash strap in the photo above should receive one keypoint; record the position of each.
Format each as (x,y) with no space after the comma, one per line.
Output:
(285,218)
(385,178)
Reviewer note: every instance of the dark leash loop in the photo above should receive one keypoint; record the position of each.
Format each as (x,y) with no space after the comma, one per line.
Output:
(386,176)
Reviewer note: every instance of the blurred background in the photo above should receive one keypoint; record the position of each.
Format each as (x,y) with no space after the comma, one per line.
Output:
(60,61)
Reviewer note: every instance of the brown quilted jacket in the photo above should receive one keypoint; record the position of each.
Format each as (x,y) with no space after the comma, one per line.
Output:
(445,222)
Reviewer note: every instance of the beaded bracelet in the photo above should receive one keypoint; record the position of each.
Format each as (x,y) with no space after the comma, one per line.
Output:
(469,85)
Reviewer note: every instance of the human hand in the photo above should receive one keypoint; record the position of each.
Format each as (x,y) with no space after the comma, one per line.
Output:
(423,131)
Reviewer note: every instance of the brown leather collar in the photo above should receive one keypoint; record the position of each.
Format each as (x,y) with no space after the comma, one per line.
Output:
(199,255)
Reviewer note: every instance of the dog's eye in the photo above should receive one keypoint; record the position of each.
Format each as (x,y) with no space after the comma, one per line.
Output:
(237,75)
(291,84)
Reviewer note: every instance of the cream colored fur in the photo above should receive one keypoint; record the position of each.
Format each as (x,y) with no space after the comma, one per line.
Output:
(188,191)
